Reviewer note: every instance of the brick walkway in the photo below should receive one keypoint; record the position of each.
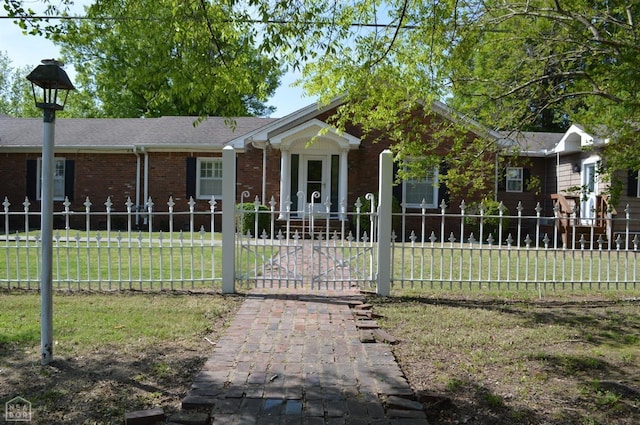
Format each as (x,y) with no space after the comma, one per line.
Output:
(297,358)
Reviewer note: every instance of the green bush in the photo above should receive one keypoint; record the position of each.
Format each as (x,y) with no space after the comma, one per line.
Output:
(491,220)
(247,218)
(365,209)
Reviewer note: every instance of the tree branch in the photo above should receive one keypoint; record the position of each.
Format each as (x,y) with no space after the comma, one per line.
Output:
(214,39)
(395,35)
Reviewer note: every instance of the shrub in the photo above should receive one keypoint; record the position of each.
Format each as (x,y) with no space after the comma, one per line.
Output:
(491,219)
(247,218)
(365,209)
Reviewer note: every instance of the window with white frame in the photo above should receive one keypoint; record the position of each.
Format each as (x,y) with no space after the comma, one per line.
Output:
(514,179)
(209,182)
(58,179)
(417,190)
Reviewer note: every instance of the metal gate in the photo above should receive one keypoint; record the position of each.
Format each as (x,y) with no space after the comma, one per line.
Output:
(313,252)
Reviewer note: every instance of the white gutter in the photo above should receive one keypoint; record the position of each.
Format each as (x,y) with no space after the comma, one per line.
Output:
(138,165)
(496,179)
(146,176)
(264,174)
(557,172)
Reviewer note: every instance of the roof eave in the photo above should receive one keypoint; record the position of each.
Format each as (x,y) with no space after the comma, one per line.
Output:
(283,124)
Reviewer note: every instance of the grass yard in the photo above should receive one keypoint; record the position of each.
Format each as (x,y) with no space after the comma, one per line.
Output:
(113,352)
(137,262)
(473,357)
(517,359)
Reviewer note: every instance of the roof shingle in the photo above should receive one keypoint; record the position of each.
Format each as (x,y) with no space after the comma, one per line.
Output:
(116,133)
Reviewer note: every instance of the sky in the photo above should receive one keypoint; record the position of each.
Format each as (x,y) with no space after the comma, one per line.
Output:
(29,50)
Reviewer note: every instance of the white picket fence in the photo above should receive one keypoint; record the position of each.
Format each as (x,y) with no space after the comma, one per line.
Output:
(312,249)
(308,250)
(529,256)
(134,257)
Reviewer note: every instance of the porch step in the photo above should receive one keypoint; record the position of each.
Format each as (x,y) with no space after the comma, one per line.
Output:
(319,228)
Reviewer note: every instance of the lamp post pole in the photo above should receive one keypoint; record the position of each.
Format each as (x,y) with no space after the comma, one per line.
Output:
(51,78)
(46,229)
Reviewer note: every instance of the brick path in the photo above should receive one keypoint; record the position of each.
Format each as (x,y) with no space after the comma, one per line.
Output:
(296,358)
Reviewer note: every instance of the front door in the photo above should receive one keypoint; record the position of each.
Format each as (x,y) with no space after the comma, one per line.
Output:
(314,180)
(588,204)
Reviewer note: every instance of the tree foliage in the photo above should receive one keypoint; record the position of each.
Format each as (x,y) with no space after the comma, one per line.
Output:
(544,64)
(16,98)
(510,65)
(165,57)
(168,57)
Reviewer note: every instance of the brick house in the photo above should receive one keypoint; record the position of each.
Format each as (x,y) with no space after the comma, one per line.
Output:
(158,158)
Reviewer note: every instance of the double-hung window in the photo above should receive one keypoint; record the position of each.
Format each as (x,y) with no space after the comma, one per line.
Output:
(59,171)
(422,189)
(209,181)
(514,176)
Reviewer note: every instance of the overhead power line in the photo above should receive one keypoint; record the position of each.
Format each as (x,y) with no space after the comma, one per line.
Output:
(225,21)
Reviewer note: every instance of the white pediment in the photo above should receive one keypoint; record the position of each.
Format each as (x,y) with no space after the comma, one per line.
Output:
(314,134)
(576,139)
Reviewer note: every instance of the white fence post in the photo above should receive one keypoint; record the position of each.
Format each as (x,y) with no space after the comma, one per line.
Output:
(228,220)
(385,195)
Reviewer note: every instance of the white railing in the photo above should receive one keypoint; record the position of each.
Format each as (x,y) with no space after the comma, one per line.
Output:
(451,253)
(527,254)
(428,250)
(118,254)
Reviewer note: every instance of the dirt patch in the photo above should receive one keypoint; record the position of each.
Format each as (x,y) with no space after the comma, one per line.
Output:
(97,388)
(113,353)
(527,362)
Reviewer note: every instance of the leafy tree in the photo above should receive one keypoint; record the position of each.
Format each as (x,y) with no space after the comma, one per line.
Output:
(16,98)
(537,64)
(36,21)
(16,95)
(167,57)
(543,64)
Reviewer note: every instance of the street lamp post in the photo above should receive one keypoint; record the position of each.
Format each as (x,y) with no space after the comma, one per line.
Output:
(53,80)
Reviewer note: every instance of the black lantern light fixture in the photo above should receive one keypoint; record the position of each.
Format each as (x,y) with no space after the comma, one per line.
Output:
(55,85)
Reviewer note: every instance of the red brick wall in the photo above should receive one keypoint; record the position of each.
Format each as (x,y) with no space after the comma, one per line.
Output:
(13,178)
(249,173)
(99,176)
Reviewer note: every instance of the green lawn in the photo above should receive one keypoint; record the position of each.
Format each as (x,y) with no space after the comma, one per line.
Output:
(112,352)
(515,358)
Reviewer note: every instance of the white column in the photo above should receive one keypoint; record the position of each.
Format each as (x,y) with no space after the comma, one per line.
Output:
(228,220)
(385,196)
(344,180)
(285,179)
